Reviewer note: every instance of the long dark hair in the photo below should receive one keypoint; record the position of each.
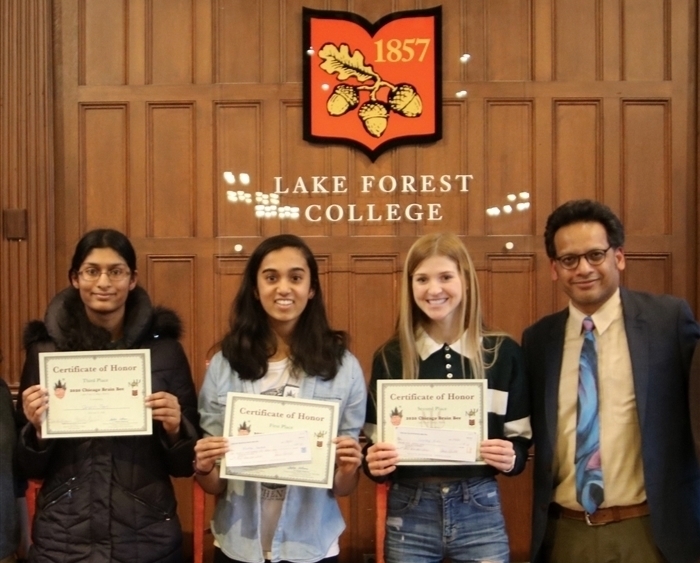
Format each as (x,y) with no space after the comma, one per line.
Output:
(315,348)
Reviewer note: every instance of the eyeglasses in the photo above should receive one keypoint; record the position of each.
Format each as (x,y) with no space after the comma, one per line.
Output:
(594,257)
(91,274)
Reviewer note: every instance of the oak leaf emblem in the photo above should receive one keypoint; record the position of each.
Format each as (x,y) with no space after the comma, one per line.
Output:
(339,60)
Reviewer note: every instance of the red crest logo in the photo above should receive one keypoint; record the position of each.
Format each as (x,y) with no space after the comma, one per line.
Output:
(372,86)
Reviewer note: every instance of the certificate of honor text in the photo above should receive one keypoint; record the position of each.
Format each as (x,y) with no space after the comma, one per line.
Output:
(433,421)
(96,393)
(280,440)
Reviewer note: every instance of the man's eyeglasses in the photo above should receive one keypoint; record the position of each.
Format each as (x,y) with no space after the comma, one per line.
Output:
(594,257)
(91,274)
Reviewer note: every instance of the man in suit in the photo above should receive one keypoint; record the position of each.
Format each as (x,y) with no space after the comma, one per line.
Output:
(636,348)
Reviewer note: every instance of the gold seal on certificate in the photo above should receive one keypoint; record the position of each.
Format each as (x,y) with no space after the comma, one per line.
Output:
(96,393)
(280,440)
(433,421)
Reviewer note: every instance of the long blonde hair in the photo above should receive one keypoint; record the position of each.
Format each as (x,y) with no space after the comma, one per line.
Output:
(411,318)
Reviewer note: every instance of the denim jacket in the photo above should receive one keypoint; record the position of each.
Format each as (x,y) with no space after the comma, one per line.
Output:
(311,520)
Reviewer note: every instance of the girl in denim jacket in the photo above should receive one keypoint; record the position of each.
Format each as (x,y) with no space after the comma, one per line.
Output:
(280,343)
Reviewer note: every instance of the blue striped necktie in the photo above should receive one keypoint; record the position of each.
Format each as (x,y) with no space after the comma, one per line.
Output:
(589,475)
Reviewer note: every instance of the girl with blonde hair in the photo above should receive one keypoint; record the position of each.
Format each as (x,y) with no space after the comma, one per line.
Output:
(453,511)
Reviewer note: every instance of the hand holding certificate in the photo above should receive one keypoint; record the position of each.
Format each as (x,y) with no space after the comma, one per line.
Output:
(433,421)
(95,394)
(280,440)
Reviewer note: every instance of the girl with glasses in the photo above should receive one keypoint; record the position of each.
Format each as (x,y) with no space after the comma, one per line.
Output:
(108,498)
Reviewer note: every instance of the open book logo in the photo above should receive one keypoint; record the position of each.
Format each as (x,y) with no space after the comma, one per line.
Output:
(372,86)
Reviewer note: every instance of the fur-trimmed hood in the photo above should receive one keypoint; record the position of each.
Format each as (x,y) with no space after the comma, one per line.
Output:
(67,324)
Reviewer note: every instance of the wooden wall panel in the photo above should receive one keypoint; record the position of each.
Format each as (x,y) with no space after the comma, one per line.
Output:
(509,159)
(105,152)
(578,149)
(338,164)
(27,277)
(611,42)
(516,498)
(171,163)
(512,276)
(509,293)
(271,53)
(372,10)
(646,23)
(302,160)
(646,168)
(137,34)
(454,39)
(449,157)
(290,35)
(324,263)
(359,512)
(508,45)
(577,36)
(473,30)
(170,41)
(409,182)
(373,300)
(373,190)
(171,281)
(229,274)
(238,149)
(648,272)
(238,38)
(103,42)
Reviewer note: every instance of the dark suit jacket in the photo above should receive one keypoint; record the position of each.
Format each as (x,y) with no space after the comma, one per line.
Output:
(661,335)
(694,398)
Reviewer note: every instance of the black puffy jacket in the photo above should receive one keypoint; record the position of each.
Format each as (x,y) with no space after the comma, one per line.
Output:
(110,499)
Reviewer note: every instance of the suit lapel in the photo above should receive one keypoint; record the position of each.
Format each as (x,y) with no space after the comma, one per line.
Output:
(554,353)
(638,342)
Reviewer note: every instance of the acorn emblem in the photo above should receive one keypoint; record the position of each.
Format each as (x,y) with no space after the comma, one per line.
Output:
(405,101)
(346,64)
(374,116)
(343,99)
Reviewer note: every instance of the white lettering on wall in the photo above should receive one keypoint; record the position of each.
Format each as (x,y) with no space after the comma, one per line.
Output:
(369,185)
(372,212)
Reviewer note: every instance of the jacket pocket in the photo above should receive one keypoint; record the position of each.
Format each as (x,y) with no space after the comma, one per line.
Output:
(140,510)
(63,491)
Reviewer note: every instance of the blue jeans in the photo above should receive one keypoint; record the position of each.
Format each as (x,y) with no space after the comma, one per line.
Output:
(461,520)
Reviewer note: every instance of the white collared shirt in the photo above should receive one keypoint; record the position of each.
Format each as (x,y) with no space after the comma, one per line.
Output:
(426,346)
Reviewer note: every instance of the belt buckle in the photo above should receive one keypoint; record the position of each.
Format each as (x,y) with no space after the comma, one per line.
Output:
(587,517)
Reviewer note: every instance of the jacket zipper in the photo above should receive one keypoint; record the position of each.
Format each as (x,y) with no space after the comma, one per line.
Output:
(68,493)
